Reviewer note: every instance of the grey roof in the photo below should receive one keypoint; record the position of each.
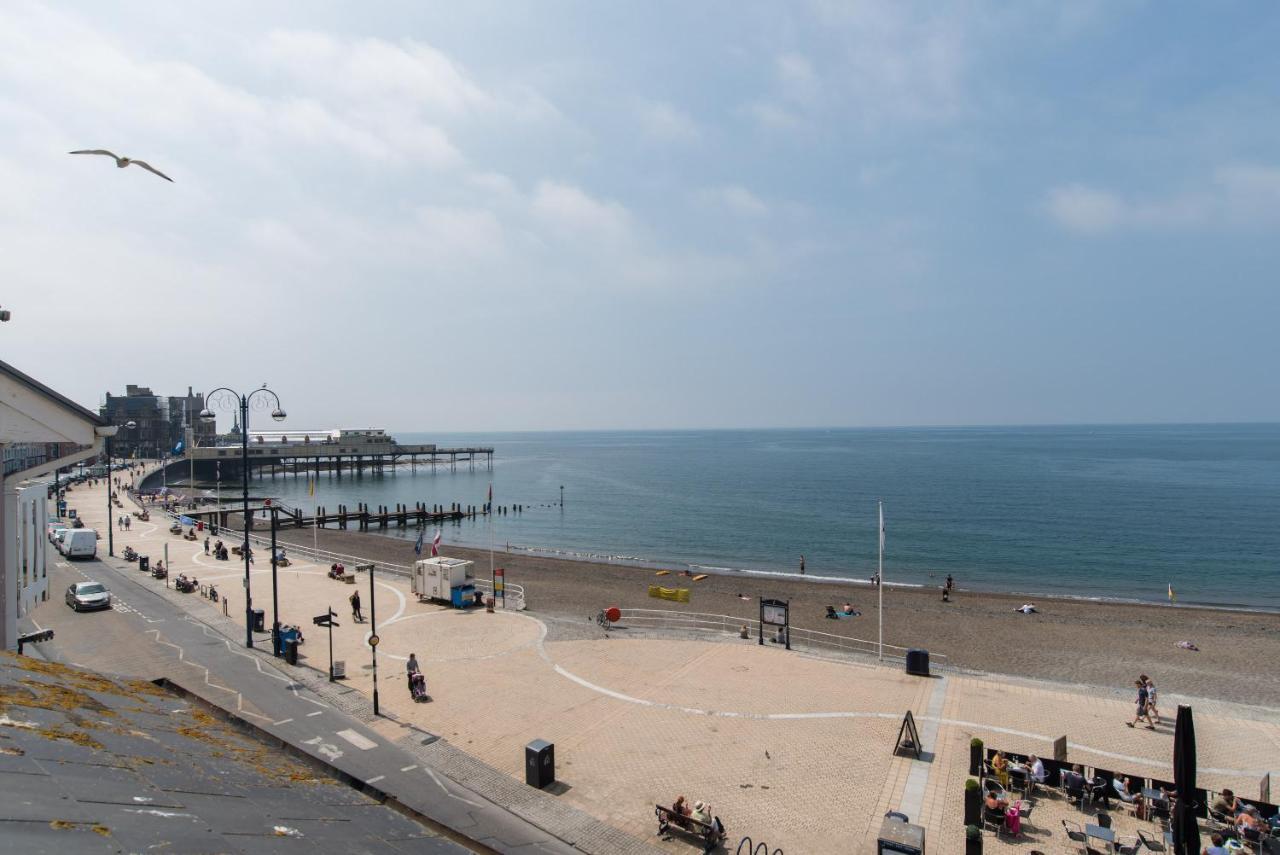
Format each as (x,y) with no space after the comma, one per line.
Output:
(91,764)
(62,400)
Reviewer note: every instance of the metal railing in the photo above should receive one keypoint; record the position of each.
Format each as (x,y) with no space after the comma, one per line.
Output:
(810,639)
(514,599)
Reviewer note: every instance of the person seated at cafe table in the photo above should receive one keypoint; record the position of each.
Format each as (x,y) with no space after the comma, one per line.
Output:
(1130,795)
(1000,766)
(1215,846)
(997,800)
(1226,804)
(1249,819)
(1036,769)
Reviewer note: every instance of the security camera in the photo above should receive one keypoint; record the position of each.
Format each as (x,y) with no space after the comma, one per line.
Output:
(5,314)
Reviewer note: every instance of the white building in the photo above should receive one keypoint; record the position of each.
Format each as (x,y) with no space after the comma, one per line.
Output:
(32,412)
(25,548)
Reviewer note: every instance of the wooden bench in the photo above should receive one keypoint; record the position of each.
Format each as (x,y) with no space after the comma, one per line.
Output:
(710,835)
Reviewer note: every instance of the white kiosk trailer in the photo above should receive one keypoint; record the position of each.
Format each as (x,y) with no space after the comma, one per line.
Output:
(446,580)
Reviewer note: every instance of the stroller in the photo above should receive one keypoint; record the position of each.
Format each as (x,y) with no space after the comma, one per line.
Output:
(418,687)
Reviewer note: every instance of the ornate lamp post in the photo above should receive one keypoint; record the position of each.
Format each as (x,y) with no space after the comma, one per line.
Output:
(111,543)
(278,414)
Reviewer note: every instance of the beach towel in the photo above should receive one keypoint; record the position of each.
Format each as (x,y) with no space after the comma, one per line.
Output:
(699,577)
(663,573)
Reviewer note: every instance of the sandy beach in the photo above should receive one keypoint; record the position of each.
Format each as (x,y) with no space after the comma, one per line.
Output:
(1070,641)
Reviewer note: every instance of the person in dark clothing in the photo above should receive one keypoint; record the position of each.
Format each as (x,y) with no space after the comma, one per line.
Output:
(355,607)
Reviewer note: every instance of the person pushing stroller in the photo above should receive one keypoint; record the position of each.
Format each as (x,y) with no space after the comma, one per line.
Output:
(417,680)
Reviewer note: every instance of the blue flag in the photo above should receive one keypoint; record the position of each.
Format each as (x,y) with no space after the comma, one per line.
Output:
(417,548)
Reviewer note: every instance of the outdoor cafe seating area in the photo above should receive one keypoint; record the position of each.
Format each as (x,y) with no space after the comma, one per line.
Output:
(1095,813)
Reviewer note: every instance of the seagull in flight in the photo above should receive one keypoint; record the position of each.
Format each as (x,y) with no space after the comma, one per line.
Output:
(122,162)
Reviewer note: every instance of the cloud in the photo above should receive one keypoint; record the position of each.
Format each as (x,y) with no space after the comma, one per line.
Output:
(664,122)
(734,199)
(569,212)
(1240,196)
(883,64)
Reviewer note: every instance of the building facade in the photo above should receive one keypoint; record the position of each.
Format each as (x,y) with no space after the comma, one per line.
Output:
(27,577)
(160,421)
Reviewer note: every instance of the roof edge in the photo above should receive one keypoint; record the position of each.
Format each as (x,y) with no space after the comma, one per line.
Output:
(57,397)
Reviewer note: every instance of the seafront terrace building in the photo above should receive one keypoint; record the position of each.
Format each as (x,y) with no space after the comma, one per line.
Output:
(160,421)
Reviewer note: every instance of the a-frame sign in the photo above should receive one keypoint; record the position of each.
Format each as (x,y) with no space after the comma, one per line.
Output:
(908,737)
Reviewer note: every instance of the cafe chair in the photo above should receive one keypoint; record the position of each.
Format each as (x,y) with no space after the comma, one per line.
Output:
(1076,835)
(993,819)
(1131,847)
(1152,844)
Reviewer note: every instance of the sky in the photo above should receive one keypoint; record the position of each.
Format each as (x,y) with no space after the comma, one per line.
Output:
(538,216)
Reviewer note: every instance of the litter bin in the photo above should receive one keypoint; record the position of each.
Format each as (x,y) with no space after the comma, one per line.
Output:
(540,764)
(899,836)
(291,650)
(259,620)
(144,563)
(918,662)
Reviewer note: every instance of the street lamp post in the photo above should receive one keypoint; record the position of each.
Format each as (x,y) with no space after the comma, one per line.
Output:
(278,414)
(111,543)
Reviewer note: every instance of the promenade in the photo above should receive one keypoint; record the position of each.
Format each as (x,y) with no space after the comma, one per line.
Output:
(790,749)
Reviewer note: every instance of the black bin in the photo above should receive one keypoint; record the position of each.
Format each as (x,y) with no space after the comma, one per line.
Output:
(540,764)
(918,662)
(144,563)
(291,651)
(260,622)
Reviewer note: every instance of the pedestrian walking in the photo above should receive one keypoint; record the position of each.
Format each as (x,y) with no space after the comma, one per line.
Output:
(1151,697)
(128,523)
(355,607)
(1141,710)
(801,565)
(206,544)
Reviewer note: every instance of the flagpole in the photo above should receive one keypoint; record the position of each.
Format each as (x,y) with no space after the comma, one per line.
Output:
(493,586)
(315,524)
(880,582)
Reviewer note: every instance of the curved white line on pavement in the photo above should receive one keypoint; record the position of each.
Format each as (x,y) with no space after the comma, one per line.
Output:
(404,604)
(438,660)
(850,714)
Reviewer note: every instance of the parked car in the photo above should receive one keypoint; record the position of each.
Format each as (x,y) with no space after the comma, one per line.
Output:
(55,529)
(85,596)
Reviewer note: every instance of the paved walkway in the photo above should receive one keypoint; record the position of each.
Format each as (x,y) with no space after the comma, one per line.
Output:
(790,749)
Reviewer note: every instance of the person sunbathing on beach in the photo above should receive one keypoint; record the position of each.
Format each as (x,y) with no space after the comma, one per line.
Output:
(1026,608)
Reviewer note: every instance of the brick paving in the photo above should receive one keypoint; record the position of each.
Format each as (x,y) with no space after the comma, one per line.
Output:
(791,749)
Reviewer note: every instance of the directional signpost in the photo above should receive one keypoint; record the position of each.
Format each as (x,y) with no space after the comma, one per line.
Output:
(327,619)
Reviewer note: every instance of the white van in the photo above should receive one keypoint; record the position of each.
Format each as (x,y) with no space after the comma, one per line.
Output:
(80,543)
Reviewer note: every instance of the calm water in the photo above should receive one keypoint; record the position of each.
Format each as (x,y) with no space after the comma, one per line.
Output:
(1088,511)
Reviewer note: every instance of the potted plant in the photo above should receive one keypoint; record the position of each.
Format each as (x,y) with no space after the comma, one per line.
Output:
(972,803)
(975,756)
(972,840)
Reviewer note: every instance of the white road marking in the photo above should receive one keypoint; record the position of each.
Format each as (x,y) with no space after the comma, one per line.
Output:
(317,712)
(445,790)
(282,721)
(358,740)
(375,780)
(409,768)
(330,751)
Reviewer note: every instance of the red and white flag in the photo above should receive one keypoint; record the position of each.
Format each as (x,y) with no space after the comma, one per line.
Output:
(435,545)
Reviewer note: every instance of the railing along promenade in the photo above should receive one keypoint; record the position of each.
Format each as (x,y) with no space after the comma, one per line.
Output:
(808,639)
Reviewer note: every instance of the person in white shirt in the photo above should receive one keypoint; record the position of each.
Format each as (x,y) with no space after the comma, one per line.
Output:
(1037,769)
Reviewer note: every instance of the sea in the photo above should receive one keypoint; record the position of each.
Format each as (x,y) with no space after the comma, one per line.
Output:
(1106,512)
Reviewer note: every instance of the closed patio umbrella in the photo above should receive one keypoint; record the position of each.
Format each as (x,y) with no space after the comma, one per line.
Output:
(1186,831)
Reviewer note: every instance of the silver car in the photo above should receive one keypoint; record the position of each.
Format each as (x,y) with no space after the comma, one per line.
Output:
(85,596)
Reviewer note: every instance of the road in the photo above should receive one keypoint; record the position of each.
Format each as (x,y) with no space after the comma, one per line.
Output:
(145,635)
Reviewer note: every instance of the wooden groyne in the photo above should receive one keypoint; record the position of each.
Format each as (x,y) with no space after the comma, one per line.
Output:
(363,518)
